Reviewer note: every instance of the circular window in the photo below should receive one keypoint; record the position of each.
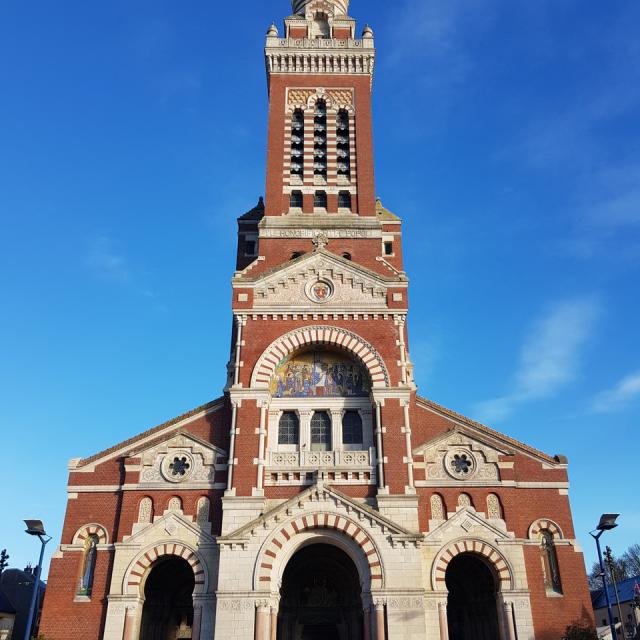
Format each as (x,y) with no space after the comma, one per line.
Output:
(460,464)
(177,466)
(320,291)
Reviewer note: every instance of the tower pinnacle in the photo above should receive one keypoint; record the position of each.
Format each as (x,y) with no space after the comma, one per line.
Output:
(339,7)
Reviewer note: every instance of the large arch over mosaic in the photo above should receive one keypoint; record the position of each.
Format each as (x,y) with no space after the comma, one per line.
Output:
(318,528)
(320,372)
(139,569)
(478,548)
(345,342)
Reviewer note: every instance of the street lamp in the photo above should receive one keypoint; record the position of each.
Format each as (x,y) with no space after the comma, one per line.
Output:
(35,528)
(607,522)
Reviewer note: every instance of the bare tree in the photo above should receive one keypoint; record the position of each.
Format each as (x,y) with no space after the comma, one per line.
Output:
(632,558)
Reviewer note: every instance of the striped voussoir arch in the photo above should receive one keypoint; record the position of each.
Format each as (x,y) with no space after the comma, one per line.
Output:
(545,525)
(291,342)
(318,522)
(140,568)
(476,547)
(91,530)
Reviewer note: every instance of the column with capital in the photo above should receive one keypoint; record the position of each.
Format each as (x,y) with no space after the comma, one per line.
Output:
(510,624)
(444,622)
(380,626)
(263,619)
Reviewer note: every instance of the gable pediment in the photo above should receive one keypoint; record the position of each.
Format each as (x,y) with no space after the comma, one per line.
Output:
(171,525)
(320,492)
(466,522)
(181,459)
(458,457)
(350,285)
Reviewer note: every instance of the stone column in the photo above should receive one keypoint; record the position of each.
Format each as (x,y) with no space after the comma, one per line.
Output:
(129,623)
(380,630)
(444,622)
(367,624)
(197,622)
(510,625)
(274,623)
(262,620)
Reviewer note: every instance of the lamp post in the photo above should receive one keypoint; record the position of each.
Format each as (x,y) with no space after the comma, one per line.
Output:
(609,561)
(35,528)
(607,522)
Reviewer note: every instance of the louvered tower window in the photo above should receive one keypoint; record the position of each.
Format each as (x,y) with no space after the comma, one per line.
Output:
(320,140)
(297,144)
(344,148)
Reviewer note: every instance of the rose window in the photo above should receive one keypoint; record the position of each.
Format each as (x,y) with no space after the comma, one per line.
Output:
(179,467)
(461,464)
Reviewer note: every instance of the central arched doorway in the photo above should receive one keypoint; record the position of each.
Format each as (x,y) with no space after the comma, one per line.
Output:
(320,596)
(168,606)
(472,609)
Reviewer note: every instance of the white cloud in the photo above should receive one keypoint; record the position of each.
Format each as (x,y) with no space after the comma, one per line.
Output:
(549,358)
(626,391)
(106,261)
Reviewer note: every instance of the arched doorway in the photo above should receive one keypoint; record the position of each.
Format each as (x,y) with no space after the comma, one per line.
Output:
(168,606)
(320,596)
(472,609)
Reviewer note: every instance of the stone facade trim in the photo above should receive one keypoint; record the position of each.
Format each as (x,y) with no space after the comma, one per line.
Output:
(478,547)
(295,340)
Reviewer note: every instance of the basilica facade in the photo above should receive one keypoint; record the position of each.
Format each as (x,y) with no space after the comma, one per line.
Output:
(320,497)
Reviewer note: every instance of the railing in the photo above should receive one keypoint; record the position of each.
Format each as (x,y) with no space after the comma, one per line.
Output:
(320,459)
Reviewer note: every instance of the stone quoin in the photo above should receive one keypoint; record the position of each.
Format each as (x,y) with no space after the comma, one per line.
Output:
(320,496)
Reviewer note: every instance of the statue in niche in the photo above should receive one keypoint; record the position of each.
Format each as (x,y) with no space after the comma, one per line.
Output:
(550,567)
(88,565)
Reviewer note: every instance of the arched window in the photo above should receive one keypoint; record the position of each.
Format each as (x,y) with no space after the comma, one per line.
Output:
(145,510)
(438,511)
(320,200)
(344,145)
(296,254)
(88,565)
(346,256)
(297,144)
(320,140)
(202,511)
(344,200)
(494,510)
(295,200)
(550,566)
(464,500)
(289,428)
(320,431)
(351,428)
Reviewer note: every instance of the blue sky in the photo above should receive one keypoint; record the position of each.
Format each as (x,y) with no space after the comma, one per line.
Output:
(133,134)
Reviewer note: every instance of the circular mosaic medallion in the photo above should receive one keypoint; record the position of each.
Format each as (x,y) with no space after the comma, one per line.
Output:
(320,291)
(177,466)
(460,464)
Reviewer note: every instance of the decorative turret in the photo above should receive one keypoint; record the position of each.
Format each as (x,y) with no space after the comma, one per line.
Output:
(338,7)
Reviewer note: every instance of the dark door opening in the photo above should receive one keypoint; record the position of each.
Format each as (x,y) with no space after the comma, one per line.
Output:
(168,606)
(472,609)
(320,596)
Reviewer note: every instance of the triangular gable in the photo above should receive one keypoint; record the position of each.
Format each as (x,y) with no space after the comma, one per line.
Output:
(320,489)
(152,435)
(467,522)
(489,435)
(171,524)
(288,284)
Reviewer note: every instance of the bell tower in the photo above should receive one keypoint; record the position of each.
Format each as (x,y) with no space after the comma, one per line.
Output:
(320,157)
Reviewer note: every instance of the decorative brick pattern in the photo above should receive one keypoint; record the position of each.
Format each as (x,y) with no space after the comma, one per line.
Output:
(140,568)
(545,524)
(91,530)
(318,522)
(476,547)
(288,344)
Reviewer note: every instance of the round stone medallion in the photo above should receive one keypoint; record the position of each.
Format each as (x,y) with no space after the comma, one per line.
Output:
(320,291)
(177,466)
(460,464)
